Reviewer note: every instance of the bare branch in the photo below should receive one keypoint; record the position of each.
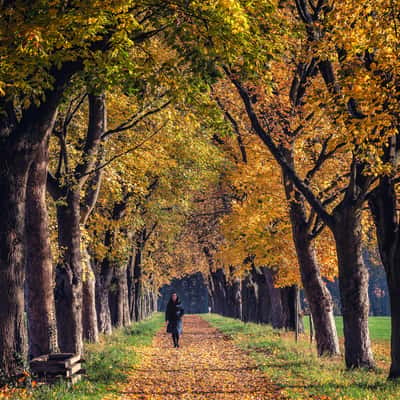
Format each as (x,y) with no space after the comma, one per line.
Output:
(323,156)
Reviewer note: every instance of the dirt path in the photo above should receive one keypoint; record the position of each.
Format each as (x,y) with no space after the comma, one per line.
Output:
(206,366)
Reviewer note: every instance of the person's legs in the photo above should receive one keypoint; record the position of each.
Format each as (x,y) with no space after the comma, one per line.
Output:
(174,338)
(177,339)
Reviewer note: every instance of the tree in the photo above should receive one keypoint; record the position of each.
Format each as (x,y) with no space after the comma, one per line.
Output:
(282,111)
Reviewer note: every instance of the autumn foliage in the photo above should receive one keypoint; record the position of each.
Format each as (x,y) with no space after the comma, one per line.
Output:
(141,141)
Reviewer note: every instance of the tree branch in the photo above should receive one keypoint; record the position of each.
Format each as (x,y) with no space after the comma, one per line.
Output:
(266,138)
(133,122)
(130,150)
(236,129)
(96,128)
(91,196)
(53,188)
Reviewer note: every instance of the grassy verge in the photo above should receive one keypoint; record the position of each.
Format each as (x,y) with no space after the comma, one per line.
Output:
(108,364)
(379,327)
(300,373)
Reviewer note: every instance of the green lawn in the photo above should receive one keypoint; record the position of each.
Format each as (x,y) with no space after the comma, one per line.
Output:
(301,374)
(108,363)
(379,327)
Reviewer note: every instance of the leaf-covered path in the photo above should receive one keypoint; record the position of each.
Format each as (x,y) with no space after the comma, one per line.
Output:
(206,366)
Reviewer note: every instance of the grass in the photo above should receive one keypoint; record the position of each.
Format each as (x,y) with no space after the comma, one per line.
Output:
(300,374)
(379,327)
(108,364)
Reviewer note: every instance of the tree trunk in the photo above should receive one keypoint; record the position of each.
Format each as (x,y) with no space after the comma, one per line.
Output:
(137,274)
(42,325)
(131,287)
(119,298)
(13,180)
(394,292)
(264,298)
(68,293)
(126,317)
(154,297)
(383,207)
(112,301)
(234,297)
(211,293)
(104,273)
(288,299)
(276,313)
(104,277)
(249,298)
(316,292)
(353,283)
(103,309)
(89,314)
(318,297)
(220,295)
(144,303)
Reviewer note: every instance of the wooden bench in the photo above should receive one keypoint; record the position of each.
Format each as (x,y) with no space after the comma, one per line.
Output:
(49,368)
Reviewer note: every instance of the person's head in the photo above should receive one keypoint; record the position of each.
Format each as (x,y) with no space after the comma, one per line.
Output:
(174,297)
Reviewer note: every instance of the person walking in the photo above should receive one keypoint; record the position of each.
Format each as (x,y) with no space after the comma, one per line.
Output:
(173,315)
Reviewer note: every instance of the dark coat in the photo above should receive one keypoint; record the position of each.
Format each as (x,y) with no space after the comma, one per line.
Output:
(173,315)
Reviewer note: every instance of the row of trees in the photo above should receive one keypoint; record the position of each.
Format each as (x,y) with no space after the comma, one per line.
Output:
(330,123)
(141,140)
(104,135)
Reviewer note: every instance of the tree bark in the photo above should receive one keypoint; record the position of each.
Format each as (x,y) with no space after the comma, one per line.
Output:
(288,299)
(89,313)
(383,204)
(264,299)
(318,297)
(353,283)
(137,275)
(104,277)
(119,298)
(276,313)
(42,326)
(131,287)
(13,179)
(317,294)
(220,292)
(394,292)
(234,296)
(103,282)
(123,294)
(68,293)
(250,299)
(211,293)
